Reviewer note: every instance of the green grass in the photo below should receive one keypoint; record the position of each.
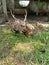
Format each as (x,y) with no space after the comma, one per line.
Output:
(18,49)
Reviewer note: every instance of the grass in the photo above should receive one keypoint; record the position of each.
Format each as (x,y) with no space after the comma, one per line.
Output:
(17,49)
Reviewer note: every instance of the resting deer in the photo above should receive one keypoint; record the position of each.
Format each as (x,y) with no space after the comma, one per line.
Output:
(22,26)
(40,26)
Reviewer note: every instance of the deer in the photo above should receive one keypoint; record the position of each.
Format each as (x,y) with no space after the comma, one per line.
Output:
(22,26)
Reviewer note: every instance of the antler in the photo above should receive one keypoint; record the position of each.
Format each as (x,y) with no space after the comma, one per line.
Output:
(25,15)
(12,14)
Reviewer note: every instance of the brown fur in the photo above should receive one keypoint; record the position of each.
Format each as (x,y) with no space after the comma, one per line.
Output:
(29,30)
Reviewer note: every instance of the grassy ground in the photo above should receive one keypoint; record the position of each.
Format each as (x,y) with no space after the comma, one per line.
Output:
(17,49)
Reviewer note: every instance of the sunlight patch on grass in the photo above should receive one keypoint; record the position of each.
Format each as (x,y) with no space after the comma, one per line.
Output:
(7,31)
(23,47)
(38,44)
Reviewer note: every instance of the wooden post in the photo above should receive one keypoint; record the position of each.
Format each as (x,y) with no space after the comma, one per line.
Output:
(5,10)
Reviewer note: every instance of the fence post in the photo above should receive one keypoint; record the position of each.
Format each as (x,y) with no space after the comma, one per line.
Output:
(5,9)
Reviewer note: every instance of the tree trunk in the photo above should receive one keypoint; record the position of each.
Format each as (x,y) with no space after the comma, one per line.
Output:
(5,10)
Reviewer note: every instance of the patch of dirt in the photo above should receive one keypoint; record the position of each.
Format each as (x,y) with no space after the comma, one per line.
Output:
(20,63)
(11,59)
